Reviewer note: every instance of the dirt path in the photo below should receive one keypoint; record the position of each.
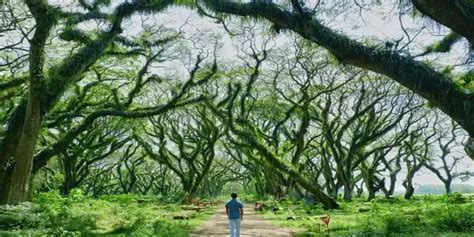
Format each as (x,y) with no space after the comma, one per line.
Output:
(252,226)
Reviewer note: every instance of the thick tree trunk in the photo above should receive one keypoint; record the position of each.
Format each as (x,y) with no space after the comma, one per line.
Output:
(13,134)
(18,188)
(68,169)
(8,147)
(393,181)
(348,191)
(67,186)
(447,185)
(410,190)
(370,184)
(371,195)
(346,179)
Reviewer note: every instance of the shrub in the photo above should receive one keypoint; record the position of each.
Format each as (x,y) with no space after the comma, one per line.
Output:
(129,227)
(167,228)
(398,224)
(79,221)
(404,223)
(121,198)
(453,198)
(455,218)
(21,216)
(59,215)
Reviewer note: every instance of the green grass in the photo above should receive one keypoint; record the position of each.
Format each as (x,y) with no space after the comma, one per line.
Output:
(132,215)
(444,215)
(51,214)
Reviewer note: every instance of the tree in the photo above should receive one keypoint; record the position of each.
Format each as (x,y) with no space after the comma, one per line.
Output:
(95,145)
(418,149)
(49,82)
(438,88)
(235,112)
(447,141)
(192,136)
(359,124)
(128,178)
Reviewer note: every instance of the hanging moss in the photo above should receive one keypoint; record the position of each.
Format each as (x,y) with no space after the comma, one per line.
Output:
(445,44)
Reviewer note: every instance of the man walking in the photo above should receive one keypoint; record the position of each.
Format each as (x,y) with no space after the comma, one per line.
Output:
(235,212)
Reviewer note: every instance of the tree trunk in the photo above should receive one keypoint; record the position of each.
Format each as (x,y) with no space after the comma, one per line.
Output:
(13,134)
(447,185)
(371,195)
(68,165)
(18,188)
(347,191)
(359,190)
(393,181)
(370,184)
(8,147)
(348,186)
(67,186)
(410,190)
(19,185)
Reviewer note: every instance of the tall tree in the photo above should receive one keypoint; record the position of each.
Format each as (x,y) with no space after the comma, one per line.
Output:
(426,80)
(49,82)
(444,163)
(193,136)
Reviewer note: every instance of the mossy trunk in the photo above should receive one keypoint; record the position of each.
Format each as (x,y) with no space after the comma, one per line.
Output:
(8,146)
(18,189)
(410,190)
(346,179)
(348,192)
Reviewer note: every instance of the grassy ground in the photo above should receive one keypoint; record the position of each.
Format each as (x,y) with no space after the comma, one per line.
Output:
(51,214)
(444,215)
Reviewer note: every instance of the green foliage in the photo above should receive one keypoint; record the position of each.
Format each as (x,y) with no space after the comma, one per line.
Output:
(167,228)
(129,227)
(423,215)
(454,218)
(189,3)
(76,214)
(445,44)
(62,217)
(453,198)
(396,223)
(24,215)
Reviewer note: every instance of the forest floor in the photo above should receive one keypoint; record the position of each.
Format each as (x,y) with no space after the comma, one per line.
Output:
(252,225)
(50,214)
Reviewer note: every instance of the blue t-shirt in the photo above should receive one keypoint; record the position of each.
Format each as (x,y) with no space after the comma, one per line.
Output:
(234,208)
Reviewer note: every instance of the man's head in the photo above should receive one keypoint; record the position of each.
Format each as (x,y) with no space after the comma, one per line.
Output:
(233,195)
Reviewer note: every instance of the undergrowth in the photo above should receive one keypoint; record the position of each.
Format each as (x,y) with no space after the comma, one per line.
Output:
(52,214)
(433,215)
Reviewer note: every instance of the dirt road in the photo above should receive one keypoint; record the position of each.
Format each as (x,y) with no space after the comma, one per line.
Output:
(252,226)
